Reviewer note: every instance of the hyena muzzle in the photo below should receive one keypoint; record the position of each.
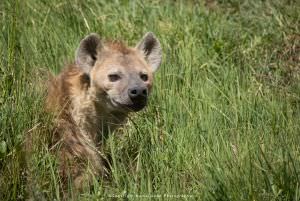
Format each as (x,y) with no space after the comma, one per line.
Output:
(93,96)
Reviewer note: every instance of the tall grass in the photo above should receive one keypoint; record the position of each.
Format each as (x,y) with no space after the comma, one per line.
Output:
(224,117)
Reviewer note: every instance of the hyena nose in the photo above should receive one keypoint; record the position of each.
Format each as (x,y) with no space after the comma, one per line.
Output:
(137,92)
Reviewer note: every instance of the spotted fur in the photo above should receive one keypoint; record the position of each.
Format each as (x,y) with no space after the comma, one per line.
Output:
(87,105)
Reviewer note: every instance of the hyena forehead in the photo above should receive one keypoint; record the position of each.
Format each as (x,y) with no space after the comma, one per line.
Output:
(118,62)
(92,51)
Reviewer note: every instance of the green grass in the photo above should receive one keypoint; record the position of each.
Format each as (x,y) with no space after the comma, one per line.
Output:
(224,117)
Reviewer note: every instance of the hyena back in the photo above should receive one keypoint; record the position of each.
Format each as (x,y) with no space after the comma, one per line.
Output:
(94,95)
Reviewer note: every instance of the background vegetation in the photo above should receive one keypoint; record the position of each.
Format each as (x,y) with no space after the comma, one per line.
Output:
(224,118)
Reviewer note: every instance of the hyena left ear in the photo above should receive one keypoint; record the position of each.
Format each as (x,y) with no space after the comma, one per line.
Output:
(86,53)
(151,49)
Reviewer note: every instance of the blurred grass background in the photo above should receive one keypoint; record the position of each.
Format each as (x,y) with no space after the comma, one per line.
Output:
(224,118)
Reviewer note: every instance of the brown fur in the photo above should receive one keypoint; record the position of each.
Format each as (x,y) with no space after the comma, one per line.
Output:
(118,46)
(73,146)
(83,116)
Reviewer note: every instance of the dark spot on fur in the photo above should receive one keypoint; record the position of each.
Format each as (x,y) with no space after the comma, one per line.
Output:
(85,80)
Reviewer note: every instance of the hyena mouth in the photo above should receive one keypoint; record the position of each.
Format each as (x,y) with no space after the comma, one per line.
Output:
(135,106)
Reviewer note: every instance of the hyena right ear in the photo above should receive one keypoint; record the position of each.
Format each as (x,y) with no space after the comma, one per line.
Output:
(151,49)
(87,52)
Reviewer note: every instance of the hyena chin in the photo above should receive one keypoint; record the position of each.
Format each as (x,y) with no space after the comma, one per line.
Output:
(93,96)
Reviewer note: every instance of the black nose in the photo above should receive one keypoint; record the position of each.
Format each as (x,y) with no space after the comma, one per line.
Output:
(137,93)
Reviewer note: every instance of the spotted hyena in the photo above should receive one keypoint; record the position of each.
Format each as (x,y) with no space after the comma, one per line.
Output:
(93,96)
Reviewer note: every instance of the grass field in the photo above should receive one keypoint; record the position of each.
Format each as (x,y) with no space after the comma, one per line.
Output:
(224,117)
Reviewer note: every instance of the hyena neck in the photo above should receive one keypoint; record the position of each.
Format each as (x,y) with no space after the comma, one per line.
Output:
(92,117)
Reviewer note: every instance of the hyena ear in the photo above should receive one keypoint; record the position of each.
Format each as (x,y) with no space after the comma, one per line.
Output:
(151,49)
(86,53)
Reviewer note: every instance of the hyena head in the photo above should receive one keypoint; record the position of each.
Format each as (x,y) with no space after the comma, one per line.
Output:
(121,77)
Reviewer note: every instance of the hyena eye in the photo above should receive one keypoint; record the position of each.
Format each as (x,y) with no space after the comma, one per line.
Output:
(114,77)
(144,77)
